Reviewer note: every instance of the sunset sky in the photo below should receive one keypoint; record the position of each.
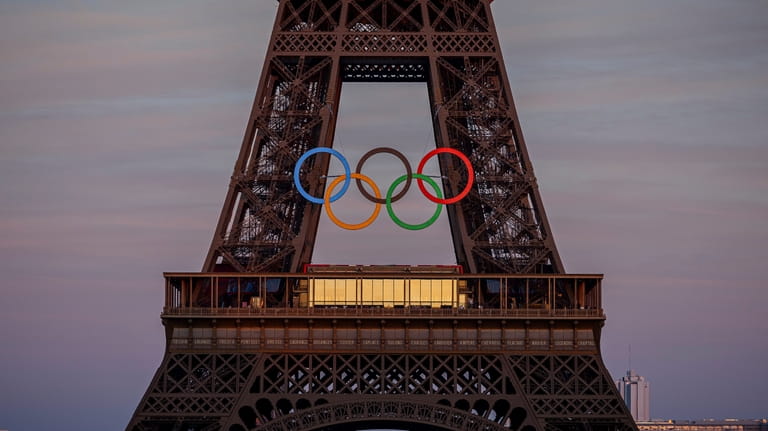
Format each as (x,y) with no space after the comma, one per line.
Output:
(646,121)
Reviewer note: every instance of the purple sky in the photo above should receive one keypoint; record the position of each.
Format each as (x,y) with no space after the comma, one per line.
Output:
(120,123)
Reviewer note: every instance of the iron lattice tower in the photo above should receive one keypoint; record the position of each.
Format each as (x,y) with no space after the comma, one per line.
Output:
(529,359)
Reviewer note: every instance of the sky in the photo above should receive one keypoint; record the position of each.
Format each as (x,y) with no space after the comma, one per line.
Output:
(120,123)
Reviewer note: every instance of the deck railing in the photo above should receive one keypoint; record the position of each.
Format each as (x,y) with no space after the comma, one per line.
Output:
(383,294)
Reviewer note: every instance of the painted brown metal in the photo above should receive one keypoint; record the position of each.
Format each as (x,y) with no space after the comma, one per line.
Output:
(285,367)
(449,44)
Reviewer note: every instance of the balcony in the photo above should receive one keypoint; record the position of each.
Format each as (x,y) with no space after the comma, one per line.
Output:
(402,293)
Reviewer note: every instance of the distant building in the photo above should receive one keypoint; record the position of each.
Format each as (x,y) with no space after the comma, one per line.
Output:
(636,393)
(705,425)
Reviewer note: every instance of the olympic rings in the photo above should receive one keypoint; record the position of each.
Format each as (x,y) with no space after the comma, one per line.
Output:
(359,178)
(370,219)
(395,153)
(305,156)
(470,176)
(401,223)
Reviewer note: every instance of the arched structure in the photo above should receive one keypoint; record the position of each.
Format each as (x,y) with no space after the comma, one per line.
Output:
(373,413)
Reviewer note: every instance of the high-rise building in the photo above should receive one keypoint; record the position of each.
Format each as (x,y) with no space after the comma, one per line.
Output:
(636,393)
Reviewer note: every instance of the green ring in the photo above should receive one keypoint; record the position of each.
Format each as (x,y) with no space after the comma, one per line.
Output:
(401,223)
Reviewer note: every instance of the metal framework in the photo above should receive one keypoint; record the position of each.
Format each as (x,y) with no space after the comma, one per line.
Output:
(316,45)
(246,351)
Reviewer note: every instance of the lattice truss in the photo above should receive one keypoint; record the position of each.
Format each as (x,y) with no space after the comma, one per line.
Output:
(384,26)
(264,213)
(267,226)
(458,15)
(454,390)
(304,391)
(558,386)
(193,391)
(384,15)
(312,15)
(383,374)
(503,216)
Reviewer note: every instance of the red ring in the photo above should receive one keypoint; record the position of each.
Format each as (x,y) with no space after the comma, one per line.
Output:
(470,173)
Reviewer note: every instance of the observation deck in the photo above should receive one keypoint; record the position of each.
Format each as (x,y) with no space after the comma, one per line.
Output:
(402,291)
(398,308)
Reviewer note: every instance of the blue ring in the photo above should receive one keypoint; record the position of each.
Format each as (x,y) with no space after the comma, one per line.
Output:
(304,157)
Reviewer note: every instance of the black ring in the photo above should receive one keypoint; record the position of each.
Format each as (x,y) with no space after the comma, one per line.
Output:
(395,153)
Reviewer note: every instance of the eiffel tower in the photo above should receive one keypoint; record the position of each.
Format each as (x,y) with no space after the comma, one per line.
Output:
(263,339)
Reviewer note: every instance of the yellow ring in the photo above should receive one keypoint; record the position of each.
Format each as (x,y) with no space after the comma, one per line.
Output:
(340,223)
